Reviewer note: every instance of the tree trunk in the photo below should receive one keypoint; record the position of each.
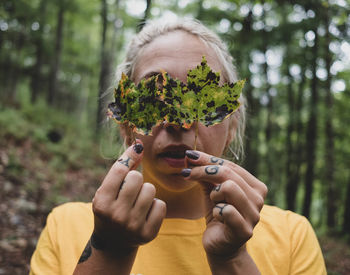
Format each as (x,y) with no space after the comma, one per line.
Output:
(291,145)
(2,68)
(291,187)
(146,15)
(12,70)
(200,10)
(252,156)
(311,134)
(243,60)
(105,67)
(298,149)
(115,41)
(57,54)
(36,83)
(269,158)
(270,154)
(329,135)
(346,218)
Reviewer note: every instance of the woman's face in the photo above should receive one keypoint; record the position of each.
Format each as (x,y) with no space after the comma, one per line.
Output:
(176,53)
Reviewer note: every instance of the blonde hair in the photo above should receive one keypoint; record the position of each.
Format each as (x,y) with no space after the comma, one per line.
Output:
(156,28)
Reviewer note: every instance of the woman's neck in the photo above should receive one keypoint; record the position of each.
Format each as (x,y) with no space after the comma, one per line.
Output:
(187,204)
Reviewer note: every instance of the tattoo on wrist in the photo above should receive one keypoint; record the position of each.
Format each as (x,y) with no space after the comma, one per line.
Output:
(124,161)
(104,244)
(221,208)
(86,253)
(212,169)
(97,242)
(216,160)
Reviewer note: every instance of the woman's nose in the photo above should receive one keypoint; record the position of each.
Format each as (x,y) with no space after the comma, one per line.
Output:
(171,127)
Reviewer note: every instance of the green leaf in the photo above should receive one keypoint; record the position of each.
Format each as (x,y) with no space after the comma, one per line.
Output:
(138,106)
(204,100)
(162,98)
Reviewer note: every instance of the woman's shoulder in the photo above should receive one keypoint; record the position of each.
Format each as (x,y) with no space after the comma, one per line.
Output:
(70,219)
(67,229)
(73,206)
(283,222)
(284,242)
(276,215)
(280,230)
(71,210)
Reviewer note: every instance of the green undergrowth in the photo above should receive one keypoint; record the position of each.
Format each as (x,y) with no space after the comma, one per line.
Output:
(50,130)
(52,156)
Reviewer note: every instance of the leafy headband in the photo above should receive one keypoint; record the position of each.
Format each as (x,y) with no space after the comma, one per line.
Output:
(161,98)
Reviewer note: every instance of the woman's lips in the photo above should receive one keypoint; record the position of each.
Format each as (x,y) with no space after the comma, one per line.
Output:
(174,155)
(174,162)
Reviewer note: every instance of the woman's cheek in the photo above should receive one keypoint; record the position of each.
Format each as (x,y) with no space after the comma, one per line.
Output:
(213,138)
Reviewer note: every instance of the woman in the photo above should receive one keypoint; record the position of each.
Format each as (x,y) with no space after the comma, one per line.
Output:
(189,211)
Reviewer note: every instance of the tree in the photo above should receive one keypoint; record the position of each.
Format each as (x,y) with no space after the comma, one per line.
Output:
(57,55)
(105,66)
(311,133)
(252,157)
(36,78)
(146,15)
(346,218)
(18,13)
(329,133)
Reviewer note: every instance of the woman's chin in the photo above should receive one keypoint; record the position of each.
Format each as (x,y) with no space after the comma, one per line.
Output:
(166,173)
(175,185)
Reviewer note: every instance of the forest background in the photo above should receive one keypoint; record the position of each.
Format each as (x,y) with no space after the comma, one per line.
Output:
(58,58)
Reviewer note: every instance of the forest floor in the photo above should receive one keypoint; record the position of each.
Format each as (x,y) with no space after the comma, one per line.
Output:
(33,180)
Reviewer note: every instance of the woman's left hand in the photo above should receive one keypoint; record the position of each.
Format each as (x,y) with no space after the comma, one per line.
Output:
(234,199)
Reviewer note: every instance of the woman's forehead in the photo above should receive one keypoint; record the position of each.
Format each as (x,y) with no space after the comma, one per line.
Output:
(175,52)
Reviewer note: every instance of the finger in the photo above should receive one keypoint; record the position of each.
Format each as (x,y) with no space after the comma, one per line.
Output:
(231,217)
(154,219)
(198,158)
(131,188)
(130,159)
(250,179)
(228,192)
(231,193)
(210,173)
(144,201)
(216,174)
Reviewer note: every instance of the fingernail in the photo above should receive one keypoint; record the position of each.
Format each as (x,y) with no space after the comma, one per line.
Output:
(186,172)
(192,154)
(138,148)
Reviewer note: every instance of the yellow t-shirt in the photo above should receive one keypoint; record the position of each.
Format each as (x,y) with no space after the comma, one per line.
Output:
(283,243)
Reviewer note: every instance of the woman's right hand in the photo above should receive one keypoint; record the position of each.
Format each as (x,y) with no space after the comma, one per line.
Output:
(126,213)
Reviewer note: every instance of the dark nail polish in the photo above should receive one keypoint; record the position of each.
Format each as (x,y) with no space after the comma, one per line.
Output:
(138,148)
(192,154)
(186,172)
